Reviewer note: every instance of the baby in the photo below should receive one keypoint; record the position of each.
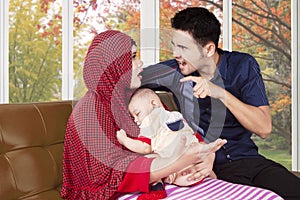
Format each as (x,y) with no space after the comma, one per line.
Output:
(160,131)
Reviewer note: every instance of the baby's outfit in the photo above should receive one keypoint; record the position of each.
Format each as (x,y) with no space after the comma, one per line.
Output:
(164,130)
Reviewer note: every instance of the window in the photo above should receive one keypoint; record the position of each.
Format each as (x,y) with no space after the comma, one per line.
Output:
(92,17)
(263,29)
(35,53)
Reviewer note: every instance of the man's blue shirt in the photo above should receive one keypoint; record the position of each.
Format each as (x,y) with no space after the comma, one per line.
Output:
(242,78)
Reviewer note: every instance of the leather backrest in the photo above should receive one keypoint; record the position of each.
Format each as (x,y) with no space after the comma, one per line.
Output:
(168,100)
(31,149)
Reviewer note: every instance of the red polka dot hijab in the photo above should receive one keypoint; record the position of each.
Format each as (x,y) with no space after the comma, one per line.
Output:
(94,161)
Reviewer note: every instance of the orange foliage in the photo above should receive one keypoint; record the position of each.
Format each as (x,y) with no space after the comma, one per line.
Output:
(45,34)
(282,102)
(45,5)
(56,30)
(263,18)
(57,42)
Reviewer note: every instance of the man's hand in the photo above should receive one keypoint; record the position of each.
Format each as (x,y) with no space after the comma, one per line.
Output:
(205,87)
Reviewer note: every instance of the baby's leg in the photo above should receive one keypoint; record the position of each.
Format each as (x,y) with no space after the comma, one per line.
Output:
(182,180)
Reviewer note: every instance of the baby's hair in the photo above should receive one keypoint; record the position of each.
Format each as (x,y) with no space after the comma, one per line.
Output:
(143,92)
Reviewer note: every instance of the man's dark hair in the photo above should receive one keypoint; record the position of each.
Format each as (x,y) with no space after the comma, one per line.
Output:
(200,23)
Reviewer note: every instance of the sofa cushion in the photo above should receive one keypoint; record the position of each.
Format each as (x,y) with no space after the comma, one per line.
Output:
(31,149)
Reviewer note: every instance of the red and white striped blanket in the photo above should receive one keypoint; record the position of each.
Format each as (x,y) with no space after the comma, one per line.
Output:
(214,189)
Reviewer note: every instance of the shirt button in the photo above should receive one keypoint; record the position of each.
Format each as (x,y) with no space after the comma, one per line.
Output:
(228,156)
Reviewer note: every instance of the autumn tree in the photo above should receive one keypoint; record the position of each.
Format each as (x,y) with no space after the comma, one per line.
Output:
(263,29)
(34,51)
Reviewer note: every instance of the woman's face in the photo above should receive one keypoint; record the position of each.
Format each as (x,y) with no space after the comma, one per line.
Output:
(137,65)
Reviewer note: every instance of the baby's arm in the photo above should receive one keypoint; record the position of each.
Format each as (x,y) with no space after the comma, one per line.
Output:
(133,145)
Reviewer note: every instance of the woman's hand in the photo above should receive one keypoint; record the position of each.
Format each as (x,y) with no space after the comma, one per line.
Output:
(200,170)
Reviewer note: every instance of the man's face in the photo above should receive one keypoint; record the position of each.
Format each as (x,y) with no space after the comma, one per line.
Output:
(188,53)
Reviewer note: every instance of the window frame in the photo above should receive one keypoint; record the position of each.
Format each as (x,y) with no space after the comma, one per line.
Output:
(67,50)
(295,73)
(4,93)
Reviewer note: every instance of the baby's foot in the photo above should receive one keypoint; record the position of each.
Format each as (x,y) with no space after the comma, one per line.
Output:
(213,146)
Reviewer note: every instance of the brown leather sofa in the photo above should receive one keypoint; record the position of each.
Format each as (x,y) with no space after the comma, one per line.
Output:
(31,148)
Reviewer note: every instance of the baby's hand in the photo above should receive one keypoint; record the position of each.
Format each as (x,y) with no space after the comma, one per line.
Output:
(121,136)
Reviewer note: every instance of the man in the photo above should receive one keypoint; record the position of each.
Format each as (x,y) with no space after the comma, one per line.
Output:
(221,94)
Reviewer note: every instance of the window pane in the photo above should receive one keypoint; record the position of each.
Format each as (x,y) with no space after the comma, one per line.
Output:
(35,51)
(93,17)
(168,9)
(263,29)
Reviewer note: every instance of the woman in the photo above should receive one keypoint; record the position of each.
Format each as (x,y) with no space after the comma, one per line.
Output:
(95,165)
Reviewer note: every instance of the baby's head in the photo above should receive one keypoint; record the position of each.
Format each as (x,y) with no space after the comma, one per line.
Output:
(141,104)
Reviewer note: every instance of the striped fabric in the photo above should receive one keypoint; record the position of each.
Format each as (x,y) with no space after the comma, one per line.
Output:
(214,189)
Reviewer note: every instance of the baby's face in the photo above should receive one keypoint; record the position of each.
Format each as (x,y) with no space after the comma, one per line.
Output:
(139,108)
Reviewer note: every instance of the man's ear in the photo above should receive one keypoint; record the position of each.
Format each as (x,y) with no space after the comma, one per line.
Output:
(210,49)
